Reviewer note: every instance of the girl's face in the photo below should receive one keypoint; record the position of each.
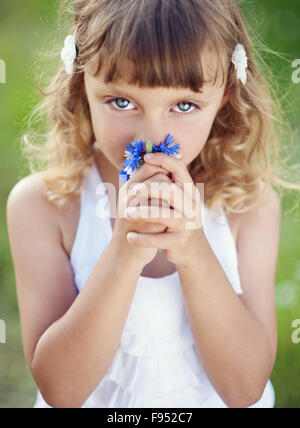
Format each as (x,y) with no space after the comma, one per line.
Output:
(121,113)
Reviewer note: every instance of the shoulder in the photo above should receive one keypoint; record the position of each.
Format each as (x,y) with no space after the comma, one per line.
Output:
(28,206)
(266,214)
(27,202)
(29,190)
(28,187)
(269,200)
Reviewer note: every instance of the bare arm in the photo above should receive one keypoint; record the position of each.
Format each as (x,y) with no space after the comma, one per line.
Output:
(81,345)
(69,338)
(236,336)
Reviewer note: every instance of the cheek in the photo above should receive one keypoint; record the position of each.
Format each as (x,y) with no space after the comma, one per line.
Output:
(110,134)
(106,127)
(206,124)
(196,136)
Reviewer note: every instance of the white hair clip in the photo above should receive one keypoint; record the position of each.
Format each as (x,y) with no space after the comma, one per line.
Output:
(240,61)
(69,53)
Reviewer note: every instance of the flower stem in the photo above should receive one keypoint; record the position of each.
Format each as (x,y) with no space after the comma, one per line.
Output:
(149,147)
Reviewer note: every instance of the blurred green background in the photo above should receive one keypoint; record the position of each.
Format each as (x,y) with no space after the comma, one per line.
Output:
(26,30)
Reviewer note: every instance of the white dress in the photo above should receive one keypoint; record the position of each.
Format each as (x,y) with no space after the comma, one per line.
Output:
(156,364)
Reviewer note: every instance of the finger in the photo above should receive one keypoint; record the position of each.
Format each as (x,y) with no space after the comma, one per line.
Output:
(170,193)
(142,173)
(132,199)
(165,241)
(139,175)
(161,215)
(157,178)
(127,197)
(152,202)
(195,221)
(176,166)
(178,171)
(147,228)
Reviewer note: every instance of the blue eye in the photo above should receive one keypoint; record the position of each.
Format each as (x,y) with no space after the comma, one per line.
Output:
(187,103)
(120,106)
(121,103)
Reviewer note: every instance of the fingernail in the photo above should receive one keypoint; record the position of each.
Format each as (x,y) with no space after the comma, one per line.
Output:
(130,211)
(130,237)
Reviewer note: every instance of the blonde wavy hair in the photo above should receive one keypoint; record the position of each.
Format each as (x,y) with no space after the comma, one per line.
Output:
(165,39)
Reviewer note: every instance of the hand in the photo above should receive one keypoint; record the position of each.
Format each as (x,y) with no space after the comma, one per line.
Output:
(180,214)
(123,225)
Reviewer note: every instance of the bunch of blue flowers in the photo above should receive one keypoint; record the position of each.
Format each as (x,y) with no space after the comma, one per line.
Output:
(134,154)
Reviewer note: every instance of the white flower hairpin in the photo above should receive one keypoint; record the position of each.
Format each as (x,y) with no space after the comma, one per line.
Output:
(69,53)
(240,61)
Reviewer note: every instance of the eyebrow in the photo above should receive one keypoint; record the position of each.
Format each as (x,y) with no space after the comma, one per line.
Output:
(201,96)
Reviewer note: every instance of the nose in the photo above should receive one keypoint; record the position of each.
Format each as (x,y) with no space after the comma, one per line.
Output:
(153,129)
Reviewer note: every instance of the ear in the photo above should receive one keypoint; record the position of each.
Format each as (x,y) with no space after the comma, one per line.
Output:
(226,97)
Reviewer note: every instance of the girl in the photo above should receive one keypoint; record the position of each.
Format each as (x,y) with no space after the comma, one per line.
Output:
(108,320)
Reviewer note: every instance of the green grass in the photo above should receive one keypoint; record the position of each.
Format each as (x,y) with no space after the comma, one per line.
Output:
(286,373)
(27,29)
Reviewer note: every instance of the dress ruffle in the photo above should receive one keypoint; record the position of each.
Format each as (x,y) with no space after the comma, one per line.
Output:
(157,324)
(156,361)
(155,346)
(112,395)
(157,377)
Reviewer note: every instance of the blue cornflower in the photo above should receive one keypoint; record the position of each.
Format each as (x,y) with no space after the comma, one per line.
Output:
(135,154)
(164,147)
